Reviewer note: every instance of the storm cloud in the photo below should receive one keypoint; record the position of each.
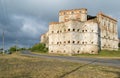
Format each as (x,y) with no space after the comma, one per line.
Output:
(26,20)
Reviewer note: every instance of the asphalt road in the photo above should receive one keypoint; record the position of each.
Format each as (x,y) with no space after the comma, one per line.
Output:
(87,60)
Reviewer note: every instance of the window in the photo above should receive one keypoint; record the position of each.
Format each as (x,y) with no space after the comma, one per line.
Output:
(57,31)
(52,31)
(68,29)
(73,41)
(78,51)
(60,42)
(64,30)
(73,29)
(78,30)
(92,42)
(92,51)
(78,42)
(57,42)
(82,30)
(64,41)
(72,12)
(82,42)
(68,41)
(86,30)
(92,30)
(52,51)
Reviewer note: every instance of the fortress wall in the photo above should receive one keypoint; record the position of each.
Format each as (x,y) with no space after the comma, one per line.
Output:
(76,14)
(108,32)
(74,34)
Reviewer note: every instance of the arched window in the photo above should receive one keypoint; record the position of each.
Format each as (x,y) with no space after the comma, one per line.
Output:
(57,31)
(78,30)
(86,30)
(78,42)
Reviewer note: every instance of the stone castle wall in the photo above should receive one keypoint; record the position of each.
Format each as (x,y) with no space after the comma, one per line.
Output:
(108,32)
(76,34)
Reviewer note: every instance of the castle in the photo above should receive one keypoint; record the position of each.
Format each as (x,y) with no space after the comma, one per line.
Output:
(78,33)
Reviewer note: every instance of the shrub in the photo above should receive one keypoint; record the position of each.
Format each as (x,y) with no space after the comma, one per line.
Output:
(13,49)
(39,47)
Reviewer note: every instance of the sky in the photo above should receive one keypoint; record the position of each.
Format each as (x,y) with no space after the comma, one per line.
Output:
(23,21)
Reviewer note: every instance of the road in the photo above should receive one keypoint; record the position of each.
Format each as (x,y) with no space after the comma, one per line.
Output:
(87,60)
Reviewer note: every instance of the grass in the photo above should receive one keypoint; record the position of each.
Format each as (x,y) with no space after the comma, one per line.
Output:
(103,53)
(17,66)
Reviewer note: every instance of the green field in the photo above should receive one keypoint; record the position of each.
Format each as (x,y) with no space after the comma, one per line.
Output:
(17,66)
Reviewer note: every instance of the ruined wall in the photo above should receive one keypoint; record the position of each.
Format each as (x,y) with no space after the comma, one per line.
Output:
(59,38)
(45,39)
(108,32)
(84,37)
(76,14)
(73,37)
(75,34)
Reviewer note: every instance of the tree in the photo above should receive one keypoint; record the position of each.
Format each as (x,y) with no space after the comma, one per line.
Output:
(13,49)
(39,47)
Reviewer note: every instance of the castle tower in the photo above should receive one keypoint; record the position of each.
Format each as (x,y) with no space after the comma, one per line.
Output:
(83,14)
(76,14)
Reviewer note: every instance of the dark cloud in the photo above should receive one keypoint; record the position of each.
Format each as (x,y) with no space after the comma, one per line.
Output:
(26,20)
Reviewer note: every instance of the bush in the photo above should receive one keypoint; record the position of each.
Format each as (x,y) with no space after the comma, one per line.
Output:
(12,49)
(40,47)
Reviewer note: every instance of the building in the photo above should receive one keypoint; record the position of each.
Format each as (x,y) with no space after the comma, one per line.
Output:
(78,33)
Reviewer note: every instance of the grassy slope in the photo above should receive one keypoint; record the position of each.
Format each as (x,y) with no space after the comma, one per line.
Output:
(16,66)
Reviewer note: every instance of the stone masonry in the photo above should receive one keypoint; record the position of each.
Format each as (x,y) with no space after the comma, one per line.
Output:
(78,33)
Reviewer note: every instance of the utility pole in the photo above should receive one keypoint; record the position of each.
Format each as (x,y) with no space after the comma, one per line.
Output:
(16,45)
(3,43)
